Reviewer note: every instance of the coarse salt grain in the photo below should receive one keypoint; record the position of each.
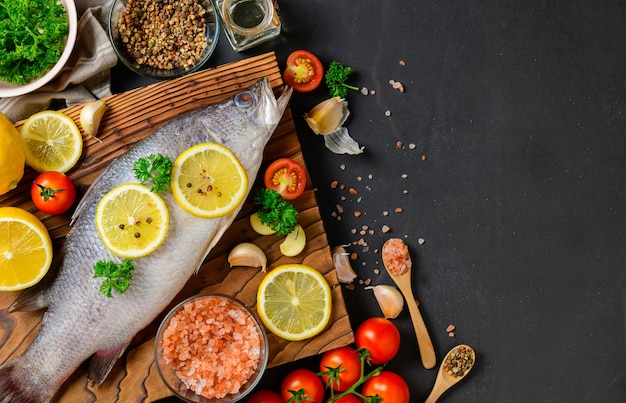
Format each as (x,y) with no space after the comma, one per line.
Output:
(214,345)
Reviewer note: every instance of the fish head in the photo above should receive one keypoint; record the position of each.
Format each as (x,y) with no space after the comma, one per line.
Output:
(258,104)
(249,117)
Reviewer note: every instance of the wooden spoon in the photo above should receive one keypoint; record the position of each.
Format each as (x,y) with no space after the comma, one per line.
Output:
(397,262)
(465,359)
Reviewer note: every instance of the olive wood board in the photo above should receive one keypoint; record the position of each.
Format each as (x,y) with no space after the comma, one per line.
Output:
(131,117)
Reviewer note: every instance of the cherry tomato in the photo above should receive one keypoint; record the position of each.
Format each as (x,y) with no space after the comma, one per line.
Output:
(346,361)
(265,396)
(302,383)
(304,71)
(287,177)
(349,399)
(380,337)
(391,387)
(53,192)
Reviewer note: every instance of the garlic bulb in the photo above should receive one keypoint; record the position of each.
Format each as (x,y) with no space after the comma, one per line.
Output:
(341,260)
(247,254)
(389,299)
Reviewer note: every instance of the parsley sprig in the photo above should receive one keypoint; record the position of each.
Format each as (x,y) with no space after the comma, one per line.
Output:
(276,212)
(116,276)
(336,77)
(156,168)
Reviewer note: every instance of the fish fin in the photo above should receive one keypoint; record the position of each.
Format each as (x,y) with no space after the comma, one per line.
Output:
(30,300)
(16,390)
(85,200)
(102,362)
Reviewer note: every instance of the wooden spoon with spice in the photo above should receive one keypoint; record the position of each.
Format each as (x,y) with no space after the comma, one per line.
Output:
(455,366)
(397,261)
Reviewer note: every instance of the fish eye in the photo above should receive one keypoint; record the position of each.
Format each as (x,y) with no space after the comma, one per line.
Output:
(244,99)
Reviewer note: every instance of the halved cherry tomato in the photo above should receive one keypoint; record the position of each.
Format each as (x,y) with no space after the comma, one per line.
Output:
(287,177)
(265,396)
(380,337)
(53,192)
(304,71)
(302,385)
(391,387)
(345,365)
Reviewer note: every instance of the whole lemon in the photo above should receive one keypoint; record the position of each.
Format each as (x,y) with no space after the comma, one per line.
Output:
(11,155)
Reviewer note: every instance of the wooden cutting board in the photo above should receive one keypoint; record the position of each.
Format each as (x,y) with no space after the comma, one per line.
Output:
(131,117)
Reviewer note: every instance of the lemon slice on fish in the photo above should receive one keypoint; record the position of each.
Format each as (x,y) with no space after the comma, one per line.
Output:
(294,302)
(25,249)
(208,180)
(52,141)
(132,221)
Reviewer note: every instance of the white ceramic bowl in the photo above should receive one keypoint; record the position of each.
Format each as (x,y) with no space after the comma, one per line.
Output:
(12,90)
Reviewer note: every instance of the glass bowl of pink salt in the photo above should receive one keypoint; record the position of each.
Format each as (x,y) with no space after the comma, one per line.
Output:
(211,348)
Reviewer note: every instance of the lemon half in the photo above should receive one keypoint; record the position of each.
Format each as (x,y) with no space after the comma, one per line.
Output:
(25,249)
(294,302)
(52,141)
(132,221)
(208,180)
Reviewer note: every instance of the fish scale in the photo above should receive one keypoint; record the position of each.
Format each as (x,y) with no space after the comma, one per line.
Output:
(79,321)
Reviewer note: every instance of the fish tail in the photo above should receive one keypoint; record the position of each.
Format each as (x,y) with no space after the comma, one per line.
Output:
(14,391)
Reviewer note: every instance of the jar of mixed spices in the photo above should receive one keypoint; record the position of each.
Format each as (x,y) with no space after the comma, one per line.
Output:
(248,23)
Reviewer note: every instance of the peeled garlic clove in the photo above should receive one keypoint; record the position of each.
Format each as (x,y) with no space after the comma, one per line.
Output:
(91,116)
(259,227)
(389,299)
(247,254)
(294,242)
(341,260)
(327,116)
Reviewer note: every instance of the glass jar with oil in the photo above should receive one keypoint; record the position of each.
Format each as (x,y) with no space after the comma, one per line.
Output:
(248,22)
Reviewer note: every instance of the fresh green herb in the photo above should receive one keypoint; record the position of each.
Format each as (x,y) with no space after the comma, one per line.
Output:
(336,77)
(275,212)
(32,36)
(115,275)
(156,168)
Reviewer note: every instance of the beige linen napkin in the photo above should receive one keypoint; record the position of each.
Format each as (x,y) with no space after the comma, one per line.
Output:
(86,76)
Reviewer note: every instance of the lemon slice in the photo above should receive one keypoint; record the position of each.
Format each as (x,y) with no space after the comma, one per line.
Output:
(294,302)
(131,220)
(208,180)
(52,141)
(25,249)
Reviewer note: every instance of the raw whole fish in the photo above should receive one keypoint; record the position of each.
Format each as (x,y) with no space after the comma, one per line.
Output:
(80,322)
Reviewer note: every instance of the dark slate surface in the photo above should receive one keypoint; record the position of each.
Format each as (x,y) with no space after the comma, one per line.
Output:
(520,110)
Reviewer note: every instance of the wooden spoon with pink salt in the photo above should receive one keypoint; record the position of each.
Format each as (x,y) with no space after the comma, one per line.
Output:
(397,261)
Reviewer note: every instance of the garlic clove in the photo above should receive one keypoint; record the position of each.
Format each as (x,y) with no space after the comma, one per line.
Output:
(389,299)
(247,254)
(327,116)
(259,227)
(91,116)
(294,242)
(340,142)
(341,260)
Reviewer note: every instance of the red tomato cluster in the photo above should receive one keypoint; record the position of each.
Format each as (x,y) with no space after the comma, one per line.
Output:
(377,339)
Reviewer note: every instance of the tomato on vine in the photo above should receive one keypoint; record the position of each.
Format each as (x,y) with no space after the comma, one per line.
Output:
(302,386)
(340,368)
(380,337)
(265,396)
(389,386)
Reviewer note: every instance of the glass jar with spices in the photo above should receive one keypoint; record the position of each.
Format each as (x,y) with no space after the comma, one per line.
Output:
(248,23)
